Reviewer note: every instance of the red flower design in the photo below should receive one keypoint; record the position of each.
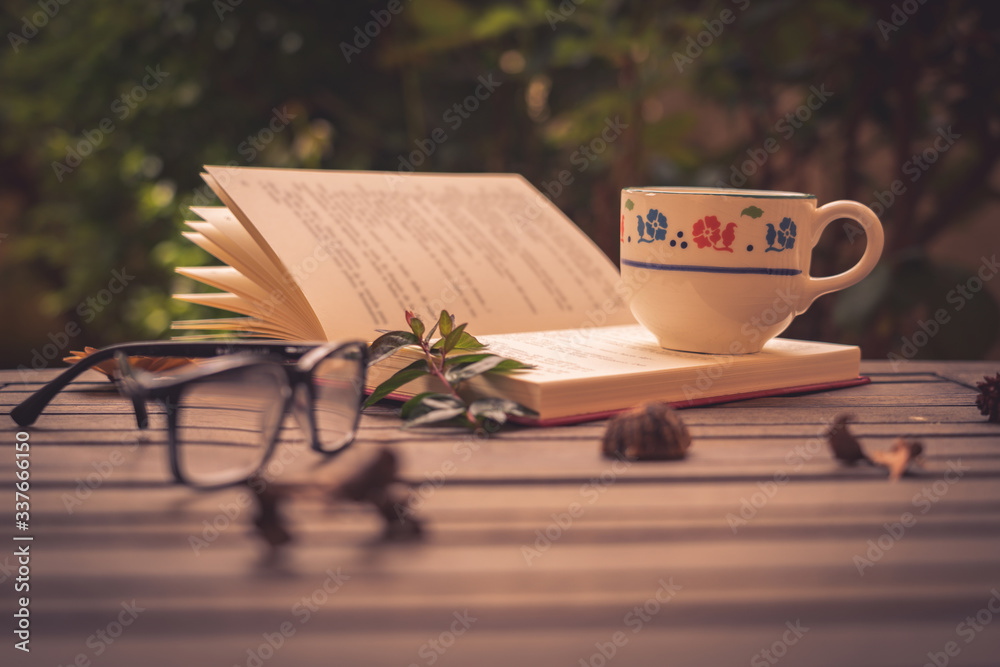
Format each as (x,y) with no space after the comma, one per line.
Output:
(709,233)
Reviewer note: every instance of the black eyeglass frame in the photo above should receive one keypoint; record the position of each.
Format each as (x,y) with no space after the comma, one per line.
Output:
(298,361)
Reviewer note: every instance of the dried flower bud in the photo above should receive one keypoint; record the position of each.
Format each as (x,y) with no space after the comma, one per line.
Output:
(988,400)
(649,432)
(846,448)
(110,367)
(843,444)
(898,459)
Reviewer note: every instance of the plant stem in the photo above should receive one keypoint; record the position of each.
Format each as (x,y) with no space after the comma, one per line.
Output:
(438,371)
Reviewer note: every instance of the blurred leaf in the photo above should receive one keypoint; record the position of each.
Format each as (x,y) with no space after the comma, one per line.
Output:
(434,416)
(497,20)
(387,344)
(425,402)
(404,376)
(461,372)
(445,323)
(439,17)
(497,409)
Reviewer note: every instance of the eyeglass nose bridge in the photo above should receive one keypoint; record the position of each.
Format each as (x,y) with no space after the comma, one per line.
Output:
(302,409)
(127,378)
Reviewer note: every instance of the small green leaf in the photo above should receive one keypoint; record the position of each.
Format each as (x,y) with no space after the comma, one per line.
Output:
(417,326)
(752,211)
(412,372)
(497,409)
(447,344)
(505,365)
(468,342)
(425,402)
(445,323)
(629,204)
(465,358)
(387,344)
(439,415)
(461,372)
(465,342)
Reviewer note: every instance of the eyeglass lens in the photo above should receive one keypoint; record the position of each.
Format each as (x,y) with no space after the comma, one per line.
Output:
(337,385)
(227,422)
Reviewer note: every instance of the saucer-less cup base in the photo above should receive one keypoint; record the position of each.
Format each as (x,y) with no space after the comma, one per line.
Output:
(723,271)
(705,313)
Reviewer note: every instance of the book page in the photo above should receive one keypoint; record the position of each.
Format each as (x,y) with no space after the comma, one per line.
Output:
(626,350)
(365,246)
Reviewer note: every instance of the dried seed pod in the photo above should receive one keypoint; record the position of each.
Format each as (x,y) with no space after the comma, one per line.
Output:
(268,519)
(649,432)
(843,444)
(897,460)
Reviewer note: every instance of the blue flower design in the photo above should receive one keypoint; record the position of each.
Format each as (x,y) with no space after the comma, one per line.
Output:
(782,238)
(653,228)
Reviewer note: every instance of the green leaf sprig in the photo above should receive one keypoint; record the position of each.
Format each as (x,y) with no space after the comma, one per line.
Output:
(451,369)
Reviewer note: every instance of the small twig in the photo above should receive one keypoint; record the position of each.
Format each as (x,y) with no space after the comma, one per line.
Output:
(376,483)
(846,448)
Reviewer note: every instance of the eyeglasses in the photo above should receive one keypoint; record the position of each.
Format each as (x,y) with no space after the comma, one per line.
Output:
(224,415)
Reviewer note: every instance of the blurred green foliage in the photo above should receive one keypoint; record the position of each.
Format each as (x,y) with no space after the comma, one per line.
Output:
(108,109)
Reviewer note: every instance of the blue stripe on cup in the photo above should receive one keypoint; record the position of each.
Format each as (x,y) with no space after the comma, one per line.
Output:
(712,269)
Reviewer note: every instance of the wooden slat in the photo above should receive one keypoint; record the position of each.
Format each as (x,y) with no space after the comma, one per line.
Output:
(759,527)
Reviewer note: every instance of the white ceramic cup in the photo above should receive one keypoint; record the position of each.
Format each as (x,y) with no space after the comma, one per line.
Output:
(723,271)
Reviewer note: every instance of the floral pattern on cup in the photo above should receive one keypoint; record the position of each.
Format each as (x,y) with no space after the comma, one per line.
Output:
(653,228)
(782,238)
(708,233)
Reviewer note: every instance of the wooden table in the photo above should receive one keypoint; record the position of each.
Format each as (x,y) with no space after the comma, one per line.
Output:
(757,549)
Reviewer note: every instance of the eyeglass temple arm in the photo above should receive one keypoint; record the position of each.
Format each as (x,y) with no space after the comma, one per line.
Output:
(25,413)
(28,410)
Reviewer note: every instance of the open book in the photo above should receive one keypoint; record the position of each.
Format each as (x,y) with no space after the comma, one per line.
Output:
(328,255)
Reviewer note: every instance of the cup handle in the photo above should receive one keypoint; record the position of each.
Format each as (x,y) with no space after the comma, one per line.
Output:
(865,217)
